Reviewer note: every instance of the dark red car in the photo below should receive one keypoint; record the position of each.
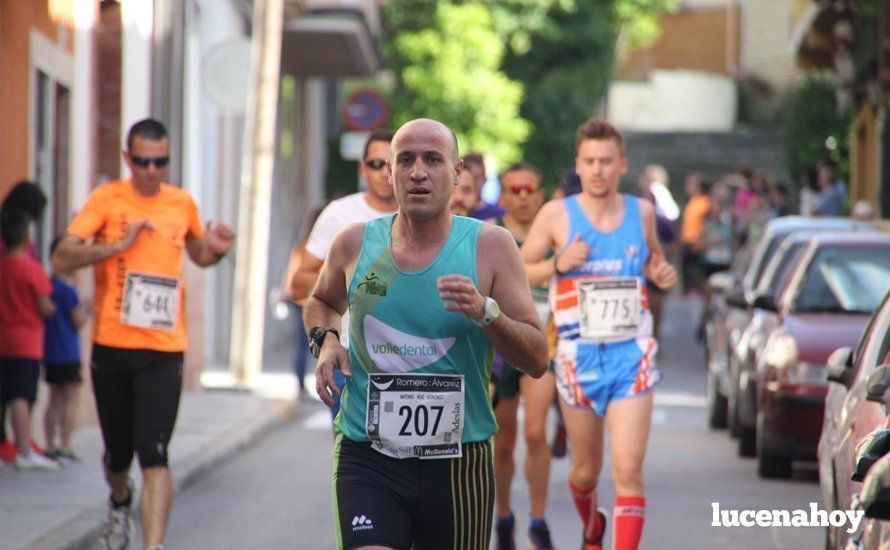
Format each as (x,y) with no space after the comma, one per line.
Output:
(837,283)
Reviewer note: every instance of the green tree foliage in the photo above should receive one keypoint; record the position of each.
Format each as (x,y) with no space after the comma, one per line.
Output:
(447,67)
(466,62)
(813,129)
(566,67)
(566,59)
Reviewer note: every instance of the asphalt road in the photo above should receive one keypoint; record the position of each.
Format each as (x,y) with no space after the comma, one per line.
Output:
(278,493)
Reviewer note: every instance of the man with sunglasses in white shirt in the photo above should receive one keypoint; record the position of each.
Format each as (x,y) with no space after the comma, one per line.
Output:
(379,200)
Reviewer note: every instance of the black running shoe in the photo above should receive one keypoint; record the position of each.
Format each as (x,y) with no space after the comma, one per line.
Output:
(504,533)
(539,537)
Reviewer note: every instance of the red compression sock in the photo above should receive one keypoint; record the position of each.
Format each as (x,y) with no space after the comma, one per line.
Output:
(585,503)
(630,514)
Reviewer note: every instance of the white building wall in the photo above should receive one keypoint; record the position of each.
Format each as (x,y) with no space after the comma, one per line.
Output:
(766,28)
(81,144)
(137,21)
(214,142)
(674,101)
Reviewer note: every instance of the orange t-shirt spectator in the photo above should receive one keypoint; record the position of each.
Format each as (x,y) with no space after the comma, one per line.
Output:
(22,280)
(694,216)
(140,299)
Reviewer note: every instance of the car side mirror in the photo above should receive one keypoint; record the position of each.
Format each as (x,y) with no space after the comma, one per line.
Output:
(871,449)
(877,385)
(722,282)
(736,298)
(766,302)
(874,499)
(840,366)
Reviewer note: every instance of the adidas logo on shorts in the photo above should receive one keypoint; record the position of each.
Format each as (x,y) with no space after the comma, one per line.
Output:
(361,523)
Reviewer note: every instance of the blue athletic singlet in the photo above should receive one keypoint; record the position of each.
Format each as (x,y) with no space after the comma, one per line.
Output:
(605,349)
(399,326)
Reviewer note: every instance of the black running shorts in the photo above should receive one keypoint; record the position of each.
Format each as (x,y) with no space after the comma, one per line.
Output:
(62,373)
(412,503)
(18,379)
(137,396)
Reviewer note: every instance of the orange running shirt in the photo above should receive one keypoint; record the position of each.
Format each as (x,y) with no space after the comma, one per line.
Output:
(153,315)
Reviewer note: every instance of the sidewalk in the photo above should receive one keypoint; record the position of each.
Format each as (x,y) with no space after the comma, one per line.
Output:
(49,510)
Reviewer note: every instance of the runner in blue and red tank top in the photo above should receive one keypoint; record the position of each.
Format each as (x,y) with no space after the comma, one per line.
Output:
(606,247)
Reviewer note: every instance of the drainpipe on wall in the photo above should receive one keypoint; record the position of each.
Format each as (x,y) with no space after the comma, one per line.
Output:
(258,150)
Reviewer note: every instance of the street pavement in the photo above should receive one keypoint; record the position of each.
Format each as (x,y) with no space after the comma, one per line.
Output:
(253,469)
(277,493)
(65,509)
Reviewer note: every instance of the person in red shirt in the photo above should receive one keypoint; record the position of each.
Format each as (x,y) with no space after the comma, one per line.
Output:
(25,294)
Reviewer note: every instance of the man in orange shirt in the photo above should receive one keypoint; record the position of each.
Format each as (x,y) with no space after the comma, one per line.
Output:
(695,214)
(139,228)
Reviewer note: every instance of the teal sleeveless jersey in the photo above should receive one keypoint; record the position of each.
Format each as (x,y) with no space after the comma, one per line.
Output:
(398,324)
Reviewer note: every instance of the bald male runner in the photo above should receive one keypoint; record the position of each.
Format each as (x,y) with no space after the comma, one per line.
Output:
(430,296)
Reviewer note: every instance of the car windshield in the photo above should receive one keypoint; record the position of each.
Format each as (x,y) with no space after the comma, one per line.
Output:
(845,279)
(778,268)
(760,263)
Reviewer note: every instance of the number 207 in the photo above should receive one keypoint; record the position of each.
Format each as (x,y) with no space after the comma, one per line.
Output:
(421,416)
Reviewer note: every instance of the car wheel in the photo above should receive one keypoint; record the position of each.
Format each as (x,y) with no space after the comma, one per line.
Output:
(733,417)
(717,404)
(747,445)
(769,464)
(772,466)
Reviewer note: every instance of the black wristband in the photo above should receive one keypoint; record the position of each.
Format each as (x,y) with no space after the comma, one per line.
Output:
(556,266)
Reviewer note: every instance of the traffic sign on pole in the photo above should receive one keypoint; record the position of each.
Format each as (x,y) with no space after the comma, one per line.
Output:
(365,110)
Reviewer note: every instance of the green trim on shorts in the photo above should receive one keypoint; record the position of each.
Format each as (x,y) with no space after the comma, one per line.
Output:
(337,442)
(472,496)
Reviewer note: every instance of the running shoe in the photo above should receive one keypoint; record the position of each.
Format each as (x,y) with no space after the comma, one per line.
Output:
(598,543)
(35,461)
(36,447)
(558,447)
(118,528)
(539,537)
(504,533)
(8,450)
(68,456)
(63,457)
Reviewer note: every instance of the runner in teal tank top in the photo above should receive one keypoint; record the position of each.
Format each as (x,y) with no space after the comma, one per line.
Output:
(430,296)
(393,331)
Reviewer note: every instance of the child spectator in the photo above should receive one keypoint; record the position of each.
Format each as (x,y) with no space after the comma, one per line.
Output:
(27,197)
(25,294)
(62,362)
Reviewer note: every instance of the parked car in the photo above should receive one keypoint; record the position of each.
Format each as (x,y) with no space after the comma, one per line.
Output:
(849,416)
(873,468)
(874,530)
(743,357)
(732,293)
(836,285)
